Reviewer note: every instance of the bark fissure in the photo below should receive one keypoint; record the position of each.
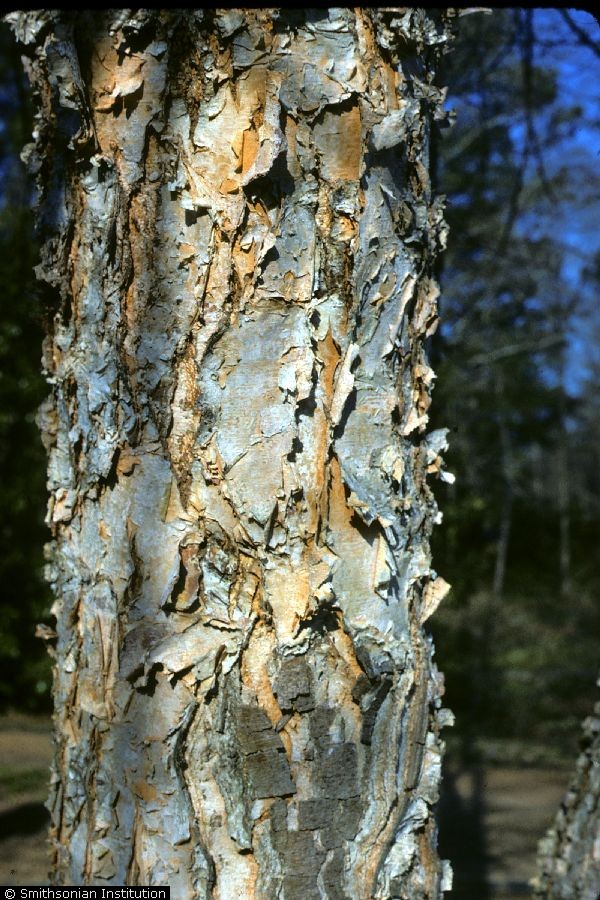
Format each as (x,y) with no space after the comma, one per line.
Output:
(247,704)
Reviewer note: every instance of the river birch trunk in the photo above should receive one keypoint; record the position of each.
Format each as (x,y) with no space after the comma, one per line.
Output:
(239,243)
(568,860)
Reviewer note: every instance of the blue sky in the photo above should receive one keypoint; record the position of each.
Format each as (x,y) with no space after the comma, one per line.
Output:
(578,223)
(573,219)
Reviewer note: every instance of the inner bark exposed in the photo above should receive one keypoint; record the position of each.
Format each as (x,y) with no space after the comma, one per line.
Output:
(239,222)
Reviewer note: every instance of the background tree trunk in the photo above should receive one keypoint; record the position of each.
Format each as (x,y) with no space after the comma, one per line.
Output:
(239,248)
(569,854)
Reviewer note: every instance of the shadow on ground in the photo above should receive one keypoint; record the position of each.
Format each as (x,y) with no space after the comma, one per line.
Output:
(27,818)
(462,834)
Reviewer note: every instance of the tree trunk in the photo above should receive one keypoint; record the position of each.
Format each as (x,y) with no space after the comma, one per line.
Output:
(569,854)
(239,246)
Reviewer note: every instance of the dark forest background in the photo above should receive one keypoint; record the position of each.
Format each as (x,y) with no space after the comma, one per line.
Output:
(518,365)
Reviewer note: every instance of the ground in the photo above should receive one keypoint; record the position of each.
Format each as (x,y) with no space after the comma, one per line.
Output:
(25,750)
(491,816)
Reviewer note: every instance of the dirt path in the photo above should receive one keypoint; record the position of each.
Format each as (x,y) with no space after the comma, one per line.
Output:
(25,750)
(490,817)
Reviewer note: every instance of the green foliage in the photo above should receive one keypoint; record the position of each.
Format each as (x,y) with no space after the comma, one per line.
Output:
(23,659)
(517,637)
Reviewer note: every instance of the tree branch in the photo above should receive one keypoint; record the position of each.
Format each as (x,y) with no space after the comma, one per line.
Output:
(482,359)
(584,38)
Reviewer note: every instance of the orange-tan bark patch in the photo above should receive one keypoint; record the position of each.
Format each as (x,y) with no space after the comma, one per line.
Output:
(249,149)
(341,145)
(145,790)
(253,668)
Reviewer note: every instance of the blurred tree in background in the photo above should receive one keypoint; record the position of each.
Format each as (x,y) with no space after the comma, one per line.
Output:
(517,363)
(24,662)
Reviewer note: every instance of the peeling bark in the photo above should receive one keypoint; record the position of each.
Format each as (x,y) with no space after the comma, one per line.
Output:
(569,854)
(240,237)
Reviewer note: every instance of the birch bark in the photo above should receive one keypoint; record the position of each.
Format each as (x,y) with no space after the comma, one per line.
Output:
(568,860)
(240,238)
